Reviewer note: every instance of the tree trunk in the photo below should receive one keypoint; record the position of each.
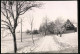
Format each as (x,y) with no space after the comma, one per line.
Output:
(15,44)
(45,33)
(32,39)
(32,35)
(60,34)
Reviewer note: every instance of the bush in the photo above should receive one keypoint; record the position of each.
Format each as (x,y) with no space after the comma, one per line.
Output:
(35,32)
(28,31)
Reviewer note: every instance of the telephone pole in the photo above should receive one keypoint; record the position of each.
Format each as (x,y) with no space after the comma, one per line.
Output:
(21,30)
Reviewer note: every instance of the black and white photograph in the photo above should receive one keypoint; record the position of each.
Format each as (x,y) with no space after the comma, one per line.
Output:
(39,26)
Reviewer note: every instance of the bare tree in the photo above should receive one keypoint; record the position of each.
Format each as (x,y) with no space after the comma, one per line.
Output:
(31,21)
(45,24)
(12,10)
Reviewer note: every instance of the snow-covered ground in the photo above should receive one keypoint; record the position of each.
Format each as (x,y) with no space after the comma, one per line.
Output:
(68,43)
(7,42)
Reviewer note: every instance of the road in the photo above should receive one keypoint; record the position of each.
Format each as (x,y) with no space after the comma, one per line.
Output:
(53,43)
(48,44)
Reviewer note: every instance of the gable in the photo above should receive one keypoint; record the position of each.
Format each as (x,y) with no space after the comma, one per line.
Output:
(68,25)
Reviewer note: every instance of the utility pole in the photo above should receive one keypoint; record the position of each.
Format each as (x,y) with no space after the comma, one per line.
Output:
(21,30)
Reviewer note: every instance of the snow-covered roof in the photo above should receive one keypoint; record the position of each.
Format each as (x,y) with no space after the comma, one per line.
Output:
(75,25)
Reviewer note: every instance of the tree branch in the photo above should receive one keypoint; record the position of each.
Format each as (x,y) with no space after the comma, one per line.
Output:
(20,5)
(12,13)
(8,25)
(3,13)
(5,27)
(8,11)
(25,9)
(5,21)
(7,17)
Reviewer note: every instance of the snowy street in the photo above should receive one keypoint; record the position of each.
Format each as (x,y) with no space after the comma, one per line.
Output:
(49,43)
(53,43)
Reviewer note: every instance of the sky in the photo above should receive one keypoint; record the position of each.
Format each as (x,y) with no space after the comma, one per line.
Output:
(53,10)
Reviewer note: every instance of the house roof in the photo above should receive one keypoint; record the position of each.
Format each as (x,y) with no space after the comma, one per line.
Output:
(69,23)
(75,25)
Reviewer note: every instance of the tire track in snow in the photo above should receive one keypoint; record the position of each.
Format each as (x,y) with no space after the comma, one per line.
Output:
(48,44)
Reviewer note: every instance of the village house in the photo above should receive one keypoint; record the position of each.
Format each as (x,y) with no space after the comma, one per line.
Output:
(69,26)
